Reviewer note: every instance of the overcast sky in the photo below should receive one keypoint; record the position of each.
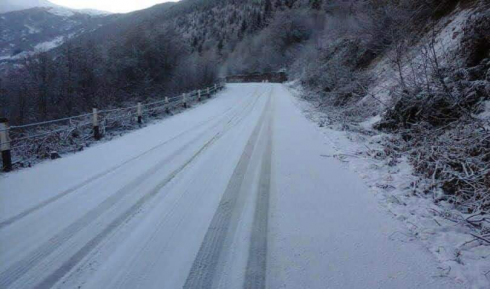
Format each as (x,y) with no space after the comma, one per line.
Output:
(119,6)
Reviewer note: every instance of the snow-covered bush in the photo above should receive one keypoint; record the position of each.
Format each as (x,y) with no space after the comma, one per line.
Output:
(435,115)
(431,101)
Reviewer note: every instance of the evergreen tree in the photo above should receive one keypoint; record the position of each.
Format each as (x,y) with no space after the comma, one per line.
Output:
(316,4)
(244,27)
(267,9)
(290,3)
(220,46)
(278,4)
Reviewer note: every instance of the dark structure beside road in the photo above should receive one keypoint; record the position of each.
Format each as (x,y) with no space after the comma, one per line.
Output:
(274,77)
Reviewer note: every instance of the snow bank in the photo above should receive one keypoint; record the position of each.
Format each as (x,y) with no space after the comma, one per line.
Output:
(393,182)
(446,40)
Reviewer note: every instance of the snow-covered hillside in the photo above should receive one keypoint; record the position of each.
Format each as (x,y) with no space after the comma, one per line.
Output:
(16,5)
(34,30)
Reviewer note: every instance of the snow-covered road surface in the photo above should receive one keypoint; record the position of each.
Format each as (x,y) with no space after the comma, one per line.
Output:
(233,193)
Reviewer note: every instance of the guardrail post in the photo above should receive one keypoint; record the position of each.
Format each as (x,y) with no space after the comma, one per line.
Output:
(209,93)
(95,122)
(199,95)
(185,100)
(5,145)
(215,87)
(140,113)
(167,102)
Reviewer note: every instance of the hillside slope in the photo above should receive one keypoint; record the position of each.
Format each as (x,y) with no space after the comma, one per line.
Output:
(40,29)
(16,5)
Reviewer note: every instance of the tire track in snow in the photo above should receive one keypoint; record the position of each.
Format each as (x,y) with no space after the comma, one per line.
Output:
(204,269)
(20,268)
(129,281)
(16,271)
(96,177)
(81,185)
(183,204)
(255,272)
(54,277)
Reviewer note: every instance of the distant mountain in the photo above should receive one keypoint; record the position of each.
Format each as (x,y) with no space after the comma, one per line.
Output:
(15,5)
(40,29)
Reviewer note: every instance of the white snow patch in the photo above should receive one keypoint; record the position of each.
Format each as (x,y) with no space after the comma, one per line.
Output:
(40,47)
(449,38)
(368,124)
(59,11)
(485,115)
(48,45)
(20,55)
(32,30)
(93,12)
(446,40)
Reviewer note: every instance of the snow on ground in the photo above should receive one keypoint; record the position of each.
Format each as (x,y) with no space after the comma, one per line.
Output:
(446,40)
(67,12)
(40,47)
(94,12)
(61,11)
(454,246)
(468,263)
(449,37)
(240,192)
(48,45)
(485,114)
(32,30)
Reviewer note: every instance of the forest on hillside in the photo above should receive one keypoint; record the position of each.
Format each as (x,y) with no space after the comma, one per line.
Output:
(173,48)
(179,47)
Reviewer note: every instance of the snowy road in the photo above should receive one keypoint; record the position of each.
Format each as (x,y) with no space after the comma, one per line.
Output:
(233,193)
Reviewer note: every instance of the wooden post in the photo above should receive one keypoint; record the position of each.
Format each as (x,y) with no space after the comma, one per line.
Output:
(167,109)
(184,96)
(95,122)
(5,145)
(199,95)
(209,93)
(140,113)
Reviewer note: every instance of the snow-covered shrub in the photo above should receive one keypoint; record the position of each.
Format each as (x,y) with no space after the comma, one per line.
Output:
(434,113)
(427,95)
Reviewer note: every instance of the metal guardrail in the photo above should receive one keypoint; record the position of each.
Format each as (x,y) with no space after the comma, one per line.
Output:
(97,119)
